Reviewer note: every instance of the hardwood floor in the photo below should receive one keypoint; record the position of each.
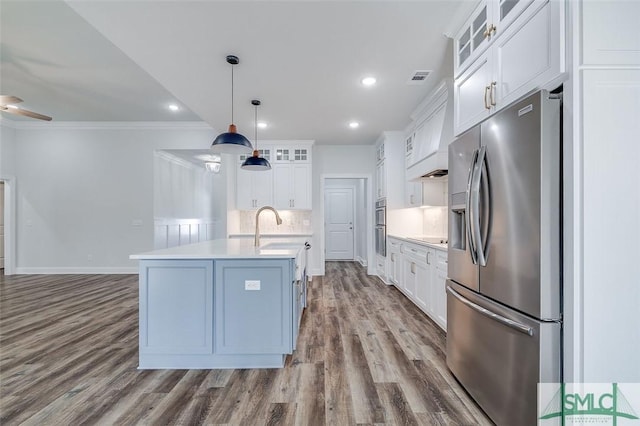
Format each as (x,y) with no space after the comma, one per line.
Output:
(366,355)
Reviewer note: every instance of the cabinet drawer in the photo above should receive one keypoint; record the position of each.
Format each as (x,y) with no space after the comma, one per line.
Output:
(414,252)
(394,244)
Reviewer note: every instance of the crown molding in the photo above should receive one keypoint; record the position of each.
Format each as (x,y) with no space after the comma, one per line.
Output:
(106,125)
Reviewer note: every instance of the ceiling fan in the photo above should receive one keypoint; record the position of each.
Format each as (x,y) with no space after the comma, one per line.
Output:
(7,104)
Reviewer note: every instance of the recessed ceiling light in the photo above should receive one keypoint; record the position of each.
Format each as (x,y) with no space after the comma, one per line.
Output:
(369,81)
(354,124)
(174,107)
(262,124)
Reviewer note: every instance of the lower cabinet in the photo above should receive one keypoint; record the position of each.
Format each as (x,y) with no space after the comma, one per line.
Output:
(395,263)
(176,307)
(253,307)
(420,272)
(227,313)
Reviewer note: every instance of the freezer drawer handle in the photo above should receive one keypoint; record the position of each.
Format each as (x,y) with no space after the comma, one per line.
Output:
(506,321)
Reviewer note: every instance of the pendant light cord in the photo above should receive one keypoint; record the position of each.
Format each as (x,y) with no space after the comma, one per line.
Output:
(256,121)
(232,94)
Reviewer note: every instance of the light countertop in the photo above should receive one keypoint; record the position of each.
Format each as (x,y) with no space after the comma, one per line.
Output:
(414,240)
(239,248)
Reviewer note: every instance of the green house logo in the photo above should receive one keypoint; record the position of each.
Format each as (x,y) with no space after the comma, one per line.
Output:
(588,402)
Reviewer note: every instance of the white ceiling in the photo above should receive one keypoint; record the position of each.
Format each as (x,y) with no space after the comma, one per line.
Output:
(127,60)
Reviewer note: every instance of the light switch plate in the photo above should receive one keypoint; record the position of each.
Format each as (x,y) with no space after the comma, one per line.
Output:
(252,284)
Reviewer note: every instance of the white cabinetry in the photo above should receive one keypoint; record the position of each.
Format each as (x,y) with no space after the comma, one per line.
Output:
(389,183)
(254,189)
(490,19)
(420,272)
(395,261)
(381,180)
(287,186)
(292,186)
(527,55)
(438,287)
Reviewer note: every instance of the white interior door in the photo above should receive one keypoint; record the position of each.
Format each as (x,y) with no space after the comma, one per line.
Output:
(338,204)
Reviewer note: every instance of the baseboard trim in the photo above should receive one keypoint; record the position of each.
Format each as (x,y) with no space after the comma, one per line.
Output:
(361,261)
(78,270)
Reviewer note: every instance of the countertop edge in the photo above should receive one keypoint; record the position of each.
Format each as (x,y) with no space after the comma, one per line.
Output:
(420,243)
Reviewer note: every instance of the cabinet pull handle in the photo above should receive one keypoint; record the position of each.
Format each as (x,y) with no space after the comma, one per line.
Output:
(492,93)
(486,92)
(428,262)
(413,268)
(393,257)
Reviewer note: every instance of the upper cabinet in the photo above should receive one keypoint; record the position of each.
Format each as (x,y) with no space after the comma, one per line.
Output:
(287,186)
(523,53)
(292,186)
(389,156)
(488,20)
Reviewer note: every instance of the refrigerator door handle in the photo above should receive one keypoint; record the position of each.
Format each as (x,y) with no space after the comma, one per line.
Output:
(522,328)
(482,245)
(485,233)
(470,235)
(475,206)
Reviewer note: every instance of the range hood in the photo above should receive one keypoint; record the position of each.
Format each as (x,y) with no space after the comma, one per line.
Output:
(433,133)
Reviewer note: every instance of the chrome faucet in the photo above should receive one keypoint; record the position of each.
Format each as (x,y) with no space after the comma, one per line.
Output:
(278,221)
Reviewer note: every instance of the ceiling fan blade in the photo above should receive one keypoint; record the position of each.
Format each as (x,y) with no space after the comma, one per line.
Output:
(8,100)
(27,113)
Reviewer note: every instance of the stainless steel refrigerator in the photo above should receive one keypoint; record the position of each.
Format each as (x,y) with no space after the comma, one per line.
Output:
(504,319)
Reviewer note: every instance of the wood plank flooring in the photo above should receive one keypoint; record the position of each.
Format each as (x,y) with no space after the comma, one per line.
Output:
(366,355)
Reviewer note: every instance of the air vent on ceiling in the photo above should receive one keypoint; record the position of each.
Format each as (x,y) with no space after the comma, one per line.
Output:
(418,77)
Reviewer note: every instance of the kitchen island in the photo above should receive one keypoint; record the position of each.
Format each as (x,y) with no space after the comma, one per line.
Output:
(220,304)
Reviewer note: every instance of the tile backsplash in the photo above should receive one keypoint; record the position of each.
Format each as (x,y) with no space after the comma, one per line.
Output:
(435,221)
(293,222)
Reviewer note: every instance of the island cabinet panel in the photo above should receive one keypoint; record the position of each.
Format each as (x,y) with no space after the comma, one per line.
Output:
(176,307)
(253,309)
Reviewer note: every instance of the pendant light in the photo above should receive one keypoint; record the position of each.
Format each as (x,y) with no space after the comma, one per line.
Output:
(231,142)
(255,162)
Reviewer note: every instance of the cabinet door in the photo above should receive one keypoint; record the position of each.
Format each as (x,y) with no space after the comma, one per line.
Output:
(504,12)
(610,33)
(244,189)
(409,276)
(176,307)
(282,186)
(527,56)
(423,286)
(253,189)
(471,94)
(301,186)
(262,184)
(413,194)
(440,297)
(472,37)
(256,319)
(380,180)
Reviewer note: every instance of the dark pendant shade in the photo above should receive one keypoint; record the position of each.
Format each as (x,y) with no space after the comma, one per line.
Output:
(256,163)
(231,143)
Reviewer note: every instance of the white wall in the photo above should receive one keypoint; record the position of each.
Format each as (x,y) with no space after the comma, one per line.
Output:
(7,148)
(348,161)
(85,192)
